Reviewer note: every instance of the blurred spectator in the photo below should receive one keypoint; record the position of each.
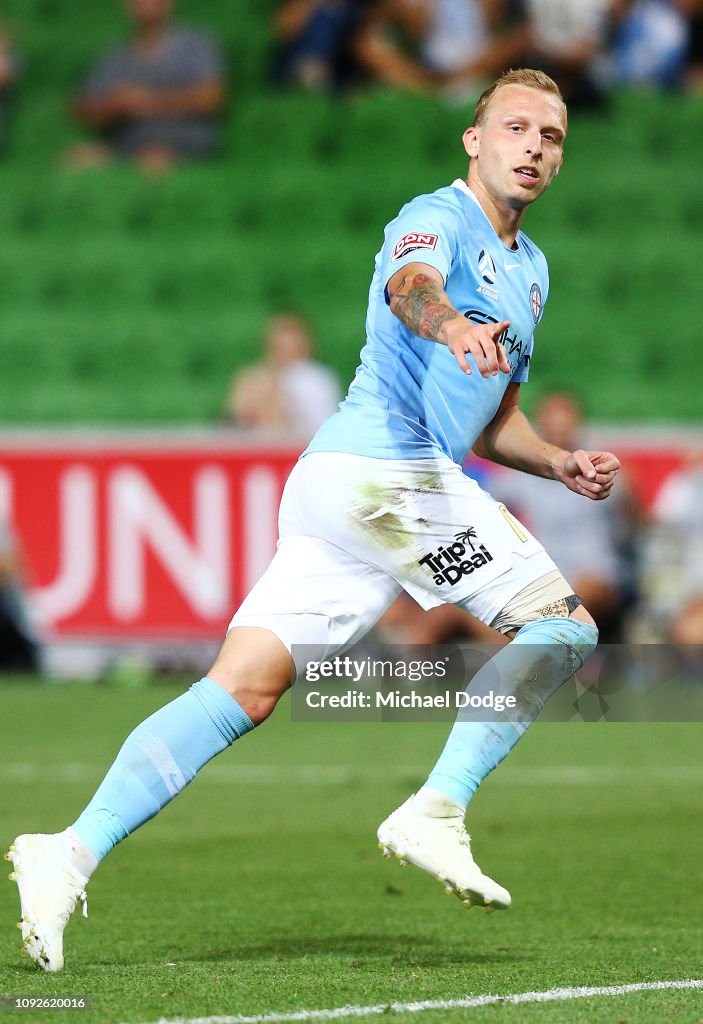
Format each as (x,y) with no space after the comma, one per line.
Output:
(315,43)
(590,541)
(650,44)
(678,511)
(154,99)
(9,71)
(694,77)
(427,45)
(19,649)
(565,38)
(288,390)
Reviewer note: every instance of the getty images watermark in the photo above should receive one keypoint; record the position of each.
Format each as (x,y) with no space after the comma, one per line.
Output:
(385,671)
(391,682)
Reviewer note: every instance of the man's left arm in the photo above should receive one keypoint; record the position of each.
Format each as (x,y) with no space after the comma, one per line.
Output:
(510,440)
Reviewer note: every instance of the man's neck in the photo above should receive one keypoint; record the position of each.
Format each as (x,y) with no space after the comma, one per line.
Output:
(505,220)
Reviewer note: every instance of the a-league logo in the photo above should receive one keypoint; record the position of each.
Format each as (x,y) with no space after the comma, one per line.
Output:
(486,267)
(450,563)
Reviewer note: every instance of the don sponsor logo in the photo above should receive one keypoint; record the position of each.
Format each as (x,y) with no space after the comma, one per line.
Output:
(451,562)
(411,241)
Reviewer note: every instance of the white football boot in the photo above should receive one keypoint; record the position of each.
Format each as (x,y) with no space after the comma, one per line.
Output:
(49,888)
(439,844)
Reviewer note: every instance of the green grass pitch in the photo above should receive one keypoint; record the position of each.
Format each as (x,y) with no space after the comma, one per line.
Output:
(261,890)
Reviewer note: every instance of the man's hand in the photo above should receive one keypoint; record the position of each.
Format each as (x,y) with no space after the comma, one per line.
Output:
(591,474)
(481,340)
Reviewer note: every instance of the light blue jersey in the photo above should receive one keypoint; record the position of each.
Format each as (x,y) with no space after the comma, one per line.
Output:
(410,399)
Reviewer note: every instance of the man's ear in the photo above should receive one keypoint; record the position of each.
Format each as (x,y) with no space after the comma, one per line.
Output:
(470,138)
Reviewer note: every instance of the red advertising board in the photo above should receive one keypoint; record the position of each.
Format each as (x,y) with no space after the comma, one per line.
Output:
(153,539)
(161,535)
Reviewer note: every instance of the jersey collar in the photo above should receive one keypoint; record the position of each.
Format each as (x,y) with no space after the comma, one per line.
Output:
(460,185)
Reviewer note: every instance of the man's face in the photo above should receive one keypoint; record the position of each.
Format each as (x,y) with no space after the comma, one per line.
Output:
(518,149)
(148,13)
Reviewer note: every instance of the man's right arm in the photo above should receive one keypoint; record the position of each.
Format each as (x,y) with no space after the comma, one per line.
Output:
(510,440)
(418,299)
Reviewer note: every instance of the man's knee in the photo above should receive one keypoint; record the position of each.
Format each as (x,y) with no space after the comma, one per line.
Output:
(257,707)
(560,619)
(550,597)
(570,638)
(255,668)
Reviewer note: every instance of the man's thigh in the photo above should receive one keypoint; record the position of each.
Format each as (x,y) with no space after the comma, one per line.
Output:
(316,598)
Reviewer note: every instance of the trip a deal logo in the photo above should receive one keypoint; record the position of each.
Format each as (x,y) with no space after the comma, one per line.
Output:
(451,562)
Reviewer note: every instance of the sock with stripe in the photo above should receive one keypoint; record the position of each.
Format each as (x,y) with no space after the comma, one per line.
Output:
(542,656)
(157,760)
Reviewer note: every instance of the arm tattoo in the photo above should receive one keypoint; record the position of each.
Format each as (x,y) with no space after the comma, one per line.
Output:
(418,304)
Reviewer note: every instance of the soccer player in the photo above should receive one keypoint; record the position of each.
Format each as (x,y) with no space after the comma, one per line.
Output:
(379,502)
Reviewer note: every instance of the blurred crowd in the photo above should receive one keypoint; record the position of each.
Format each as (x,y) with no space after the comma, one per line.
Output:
(456,46)
(158,94)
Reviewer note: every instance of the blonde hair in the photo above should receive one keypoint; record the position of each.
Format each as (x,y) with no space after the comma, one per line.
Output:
(522,76)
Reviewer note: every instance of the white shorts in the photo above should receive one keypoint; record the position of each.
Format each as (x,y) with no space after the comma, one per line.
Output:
(355,531)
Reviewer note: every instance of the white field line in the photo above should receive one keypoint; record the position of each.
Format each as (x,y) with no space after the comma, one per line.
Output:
(471,1002)
(349,774)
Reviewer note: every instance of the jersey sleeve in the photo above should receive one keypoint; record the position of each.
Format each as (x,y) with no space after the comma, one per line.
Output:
(425,231)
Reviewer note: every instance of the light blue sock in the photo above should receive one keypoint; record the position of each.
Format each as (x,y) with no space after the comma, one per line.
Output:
(539,660)
(158,760)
